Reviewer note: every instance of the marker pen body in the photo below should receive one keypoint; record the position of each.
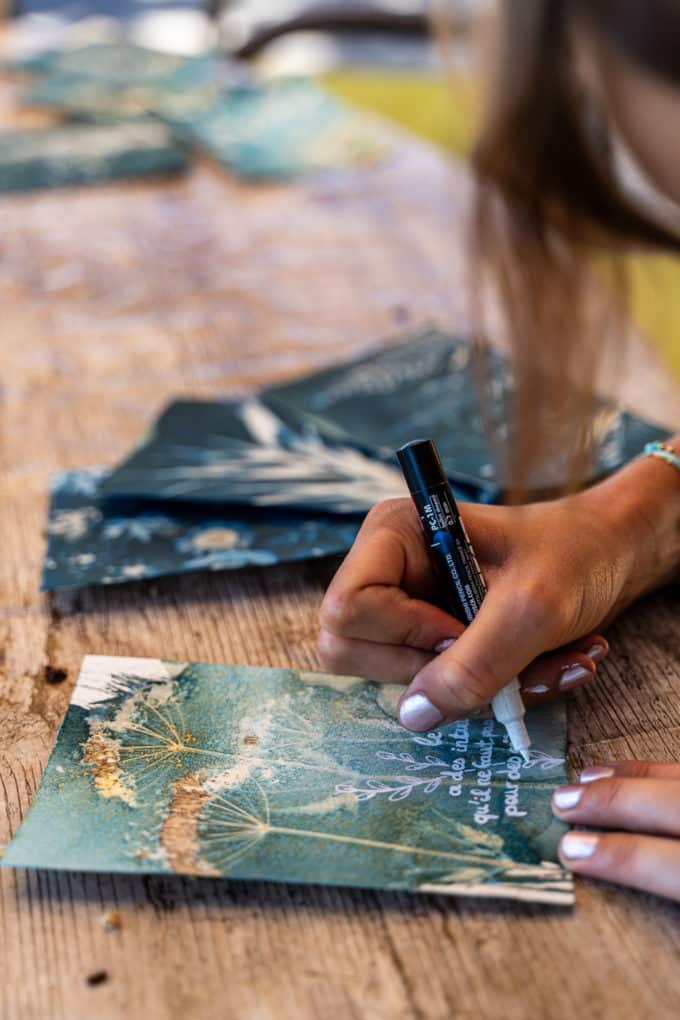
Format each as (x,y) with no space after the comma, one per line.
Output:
(455,564)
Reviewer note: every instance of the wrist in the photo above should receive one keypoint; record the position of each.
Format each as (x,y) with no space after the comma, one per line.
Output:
(641,504)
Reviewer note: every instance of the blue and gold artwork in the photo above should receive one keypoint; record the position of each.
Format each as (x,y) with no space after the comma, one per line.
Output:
(277,774)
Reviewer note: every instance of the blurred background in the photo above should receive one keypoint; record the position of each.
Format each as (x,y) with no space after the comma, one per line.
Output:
(377,54)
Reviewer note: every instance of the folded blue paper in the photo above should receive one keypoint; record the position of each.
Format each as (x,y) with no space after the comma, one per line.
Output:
(327,440)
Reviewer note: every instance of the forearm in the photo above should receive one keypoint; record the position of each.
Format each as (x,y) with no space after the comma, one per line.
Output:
(642,504)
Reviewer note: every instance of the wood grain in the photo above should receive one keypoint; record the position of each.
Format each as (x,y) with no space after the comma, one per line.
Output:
(115,300)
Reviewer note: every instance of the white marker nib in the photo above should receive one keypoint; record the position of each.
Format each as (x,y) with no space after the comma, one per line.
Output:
(508,708)
(519,738)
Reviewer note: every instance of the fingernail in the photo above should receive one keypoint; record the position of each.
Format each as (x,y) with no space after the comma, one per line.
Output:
(577,845)
(596,652)
(574,676)
(567,797)
(536,689)
(596,772)
(443,645)
(417,713)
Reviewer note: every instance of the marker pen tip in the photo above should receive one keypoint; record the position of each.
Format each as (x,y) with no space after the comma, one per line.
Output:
(519,737)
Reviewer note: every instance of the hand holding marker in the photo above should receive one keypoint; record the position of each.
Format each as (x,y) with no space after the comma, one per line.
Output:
(455,564)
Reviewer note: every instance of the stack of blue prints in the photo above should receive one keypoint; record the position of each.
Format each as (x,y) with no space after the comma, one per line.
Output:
(289,473)
(209,104)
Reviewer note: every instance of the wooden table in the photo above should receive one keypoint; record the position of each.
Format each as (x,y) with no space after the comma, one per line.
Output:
(115,300)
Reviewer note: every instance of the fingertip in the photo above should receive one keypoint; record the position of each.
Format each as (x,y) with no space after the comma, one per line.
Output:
(576,847)
(565,798)
(450,689)
(537,694)
(594,772)
(578,671)
(418,714)
(597,648)
(584,660)
(556,676)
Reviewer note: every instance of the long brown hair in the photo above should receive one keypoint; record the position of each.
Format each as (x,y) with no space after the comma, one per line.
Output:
(550,207)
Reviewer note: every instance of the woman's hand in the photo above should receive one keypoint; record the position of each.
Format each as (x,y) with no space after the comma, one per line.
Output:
(553,578)
(556,573)
(640,801)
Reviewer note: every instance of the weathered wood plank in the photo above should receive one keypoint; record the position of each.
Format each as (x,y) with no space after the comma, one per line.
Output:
(115,300)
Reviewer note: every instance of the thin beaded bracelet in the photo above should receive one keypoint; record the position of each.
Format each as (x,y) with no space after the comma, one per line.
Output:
(664,452)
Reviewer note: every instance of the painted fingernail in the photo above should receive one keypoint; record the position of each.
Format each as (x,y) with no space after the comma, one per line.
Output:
(417,713)
(596,652)
(578,845)
(574,676)
(443,645)
(567,797)
(596,772)
(536,689)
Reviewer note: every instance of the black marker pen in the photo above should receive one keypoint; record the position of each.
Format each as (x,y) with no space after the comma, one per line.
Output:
(456,565)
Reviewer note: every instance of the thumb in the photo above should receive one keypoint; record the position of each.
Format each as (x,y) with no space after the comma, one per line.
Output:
(499,643)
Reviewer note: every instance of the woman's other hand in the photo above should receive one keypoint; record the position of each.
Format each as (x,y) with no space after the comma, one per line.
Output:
(637,803)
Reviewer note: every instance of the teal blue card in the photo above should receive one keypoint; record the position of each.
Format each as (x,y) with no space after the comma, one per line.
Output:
(115,81)
(284,130)
(84,154)
(327,440)
(253,773)
(240,452)
(115,62)
(427,385)
(270,131)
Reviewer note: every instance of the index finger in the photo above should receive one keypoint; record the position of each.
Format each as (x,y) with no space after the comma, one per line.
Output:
(380,590)
(651,863)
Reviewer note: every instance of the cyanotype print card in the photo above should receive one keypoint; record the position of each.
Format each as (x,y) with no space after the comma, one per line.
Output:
(107,81)
(94,541)
(112,62)
(327,441)
(422,386)
(286,474)
(285,130)
(277,774)
(83,154)
(241,452)
(271,131)
(428,386)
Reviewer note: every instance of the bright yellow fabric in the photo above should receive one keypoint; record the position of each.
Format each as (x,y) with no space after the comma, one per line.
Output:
(655,301)
(442,110)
